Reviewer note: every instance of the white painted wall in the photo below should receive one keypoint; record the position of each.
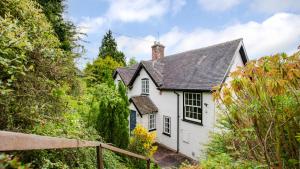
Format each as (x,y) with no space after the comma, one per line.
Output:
(192,137)
(236,62)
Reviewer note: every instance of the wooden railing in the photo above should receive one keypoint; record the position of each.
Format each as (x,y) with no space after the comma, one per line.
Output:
(12,141)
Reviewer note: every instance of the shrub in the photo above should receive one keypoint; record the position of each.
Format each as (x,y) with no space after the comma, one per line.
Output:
(142,142)
(261,111)
(8,161)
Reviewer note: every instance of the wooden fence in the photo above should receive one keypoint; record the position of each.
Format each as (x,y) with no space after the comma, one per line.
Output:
(12,141)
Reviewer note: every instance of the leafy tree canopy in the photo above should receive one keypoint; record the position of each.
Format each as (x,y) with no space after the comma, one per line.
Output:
(101,71)
(32,65)
(132,61)
(109,48)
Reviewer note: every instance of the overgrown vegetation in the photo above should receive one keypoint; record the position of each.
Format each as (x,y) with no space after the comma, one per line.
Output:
(110,112)
(259,126)
(7,161)
(40,92)
(259,123)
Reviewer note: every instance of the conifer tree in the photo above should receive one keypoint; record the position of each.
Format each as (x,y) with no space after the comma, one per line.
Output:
(109,48)
(112,121)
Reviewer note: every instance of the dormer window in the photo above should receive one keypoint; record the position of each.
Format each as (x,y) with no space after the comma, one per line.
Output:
(145,86)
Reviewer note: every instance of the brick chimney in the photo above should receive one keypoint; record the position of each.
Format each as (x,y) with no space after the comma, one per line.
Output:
(157,51)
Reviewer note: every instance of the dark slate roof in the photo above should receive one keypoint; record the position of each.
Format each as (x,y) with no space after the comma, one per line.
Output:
(126,73)
(198,69)
(144,104)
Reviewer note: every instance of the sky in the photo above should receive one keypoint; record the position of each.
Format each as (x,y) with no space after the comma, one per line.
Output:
(266,26)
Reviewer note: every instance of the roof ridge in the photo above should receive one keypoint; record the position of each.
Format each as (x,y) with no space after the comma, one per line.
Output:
(164,74)
(210,46)
(213,45)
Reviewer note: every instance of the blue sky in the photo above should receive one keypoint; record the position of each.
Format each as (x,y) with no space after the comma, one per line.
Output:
(267,26)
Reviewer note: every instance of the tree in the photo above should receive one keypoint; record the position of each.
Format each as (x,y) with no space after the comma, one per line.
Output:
(109,48)
(101,71)
(113,112)
(261,113)
(132,61)
(64,30)
(32,66)
(36,74)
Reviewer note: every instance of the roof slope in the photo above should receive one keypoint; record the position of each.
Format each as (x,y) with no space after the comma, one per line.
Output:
(126,73)
(144,104)
(198,69)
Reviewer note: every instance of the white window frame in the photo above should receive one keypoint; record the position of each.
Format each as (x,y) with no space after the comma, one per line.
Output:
(167,125)
(193,107)
(152,122)
(145,86)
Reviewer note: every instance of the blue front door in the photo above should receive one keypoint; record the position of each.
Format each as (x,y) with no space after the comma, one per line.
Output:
(132,120)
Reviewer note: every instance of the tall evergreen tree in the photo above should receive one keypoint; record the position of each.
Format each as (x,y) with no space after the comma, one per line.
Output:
(109,48)
(112,120)
(64,30)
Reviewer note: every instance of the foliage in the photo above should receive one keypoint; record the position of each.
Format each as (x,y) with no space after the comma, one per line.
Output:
(142,142)
(132,61)
(112,161)
(37,80)
(69,125)
(8,161)
(225,161)
(101,71)
(32,66)
(261,114)
(109,48)
(65,30)
(111,111)
(189,166)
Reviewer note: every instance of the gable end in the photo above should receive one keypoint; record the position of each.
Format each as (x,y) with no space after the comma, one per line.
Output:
(137,73)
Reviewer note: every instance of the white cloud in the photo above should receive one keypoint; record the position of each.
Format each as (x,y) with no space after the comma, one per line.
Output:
(218,5)
(273,6)
(177,5)
(136,10)
(139,48)
(279,33)
(91,25)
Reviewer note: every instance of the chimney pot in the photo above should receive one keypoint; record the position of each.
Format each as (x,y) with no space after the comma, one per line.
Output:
(157,50)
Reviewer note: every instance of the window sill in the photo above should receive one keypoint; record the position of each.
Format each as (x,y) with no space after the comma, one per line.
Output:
(169,135)
(144,94)
(194,122)
(152,130)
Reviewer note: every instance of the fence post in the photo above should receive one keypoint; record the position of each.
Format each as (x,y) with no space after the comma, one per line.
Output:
(100,157)
(148,163)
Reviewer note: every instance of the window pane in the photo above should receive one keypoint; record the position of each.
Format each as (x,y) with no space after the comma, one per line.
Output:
(199,116)
(193,106)
(199,110)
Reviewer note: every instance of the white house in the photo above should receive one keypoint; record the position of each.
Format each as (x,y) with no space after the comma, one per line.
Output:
(172,95)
